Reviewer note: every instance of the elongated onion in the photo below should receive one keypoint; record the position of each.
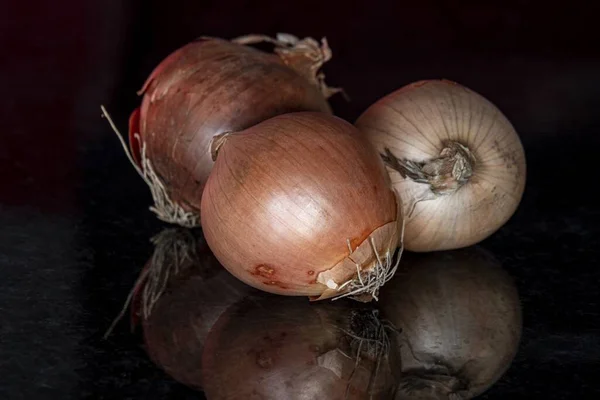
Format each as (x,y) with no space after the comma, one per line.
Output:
(282,348)
(301,204)
(454,158)
(459,320)
(209,87)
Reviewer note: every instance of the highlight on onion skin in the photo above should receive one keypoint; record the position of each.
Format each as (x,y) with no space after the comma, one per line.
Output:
(208,87)
(286,348)
(455,159)
(298,204)
(460,321)
(196,292)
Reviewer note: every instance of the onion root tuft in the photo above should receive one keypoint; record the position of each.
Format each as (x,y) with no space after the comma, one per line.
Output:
(165,209)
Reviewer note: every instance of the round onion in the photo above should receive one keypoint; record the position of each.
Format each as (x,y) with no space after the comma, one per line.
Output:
(454,158)
(209,87)
(281,348)
(459,318)
(189,290)
(301,204)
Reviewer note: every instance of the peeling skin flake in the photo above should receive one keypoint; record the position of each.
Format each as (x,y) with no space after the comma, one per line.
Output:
(366,268)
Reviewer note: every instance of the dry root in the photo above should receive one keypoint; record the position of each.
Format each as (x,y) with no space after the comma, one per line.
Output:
(174,252)
(164,207)
(367,282)
(306,56)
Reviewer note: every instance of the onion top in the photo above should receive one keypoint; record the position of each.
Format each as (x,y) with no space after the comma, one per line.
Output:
(455,159)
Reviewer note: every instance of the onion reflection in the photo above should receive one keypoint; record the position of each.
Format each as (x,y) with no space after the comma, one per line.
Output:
(272,347)
(459,320)
(184,292)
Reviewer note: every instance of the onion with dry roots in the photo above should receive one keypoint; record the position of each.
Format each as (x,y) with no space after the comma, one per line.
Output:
(454,158)
(209,87)
(459,318)
(182,292)
(301,204)
(282,348)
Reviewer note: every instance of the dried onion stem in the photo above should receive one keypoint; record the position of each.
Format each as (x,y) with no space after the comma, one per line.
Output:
(306,56)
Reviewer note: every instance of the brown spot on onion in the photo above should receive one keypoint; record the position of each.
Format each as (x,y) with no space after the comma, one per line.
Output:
(311,272)
(263,270)
(361,238)
(275,283)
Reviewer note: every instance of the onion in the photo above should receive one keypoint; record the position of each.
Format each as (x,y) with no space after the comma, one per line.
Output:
(209,87)
(460,320)
(454,158)
(183,295)
(281,348)
(301,204)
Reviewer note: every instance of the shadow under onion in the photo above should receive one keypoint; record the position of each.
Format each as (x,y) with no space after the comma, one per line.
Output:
(458,320)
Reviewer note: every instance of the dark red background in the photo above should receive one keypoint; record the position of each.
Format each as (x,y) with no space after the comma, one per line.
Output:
(61,60)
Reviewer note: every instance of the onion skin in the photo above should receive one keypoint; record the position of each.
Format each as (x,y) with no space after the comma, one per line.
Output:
(460,320)
(282,348)
(205,88)
(462,203)
(176,329)
(288,196)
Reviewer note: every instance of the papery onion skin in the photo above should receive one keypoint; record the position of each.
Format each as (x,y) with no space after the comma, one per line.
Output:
(176,329)
(460,323)
(285,348)
(288,197)
(203,89)
(414,125)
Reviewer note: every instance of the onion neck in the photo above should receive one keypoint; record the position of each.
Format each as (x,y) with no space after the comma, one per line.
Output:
(305,56)
(216,143)
(444,174)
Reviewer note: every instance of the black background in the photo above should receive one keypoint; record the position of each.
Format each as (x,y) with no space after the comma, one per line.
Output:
(73,214)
